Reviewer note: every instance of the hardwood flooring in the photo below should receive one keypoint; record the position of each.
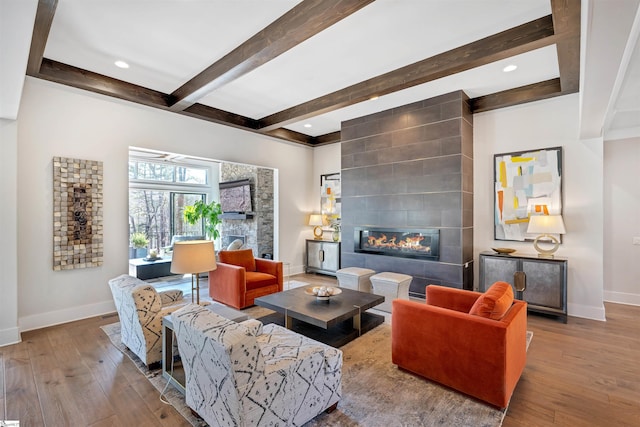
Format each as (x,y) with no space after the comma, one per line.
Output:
(584,373)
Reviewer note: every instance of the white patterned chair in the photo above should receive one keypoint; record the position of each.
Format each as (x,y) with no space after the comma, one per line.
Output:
(247,374)
(141,308)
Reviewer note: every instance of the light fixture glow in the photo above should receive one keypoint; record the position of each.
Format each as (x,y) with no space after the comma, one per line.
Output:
(121,64)
(374,97)
(307,125)
(510,68)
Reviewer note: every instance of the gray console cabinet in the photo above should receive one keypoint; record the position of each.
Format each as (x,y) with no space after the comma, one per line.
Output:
(323,256)
(541,282)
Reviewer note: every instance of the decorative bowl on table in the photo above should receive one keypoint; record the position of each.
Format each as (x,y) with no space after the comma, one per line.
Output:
(323,293)
(504,251)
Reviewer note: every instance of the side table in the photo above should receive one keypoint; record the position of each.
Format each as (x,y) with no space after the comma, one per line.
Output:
(172,370)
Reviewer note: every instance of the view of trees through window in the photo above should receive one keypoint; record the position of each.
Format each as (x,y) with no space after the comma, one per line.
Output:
(156,203)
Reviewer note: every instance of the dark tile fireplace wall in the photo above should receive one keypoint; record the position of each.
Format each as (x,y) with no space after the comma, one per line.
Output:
(412,167)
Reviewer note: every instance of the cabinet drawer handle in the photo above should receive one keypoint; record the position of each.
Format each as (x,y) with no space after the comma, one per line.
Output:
(520,281)
(321,255)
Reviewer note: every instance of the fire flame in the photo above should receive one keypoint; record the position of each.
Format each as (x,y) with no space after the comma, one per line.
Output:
(409,242)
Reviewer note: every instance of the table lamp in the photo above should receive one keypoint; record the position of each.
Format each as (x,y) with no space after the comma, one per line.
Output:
(545,226)
(316,221)
(193,257)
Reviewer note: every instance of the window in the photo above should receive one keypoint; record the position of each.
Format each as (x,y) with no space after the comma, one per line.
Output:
(158,193)
(144,170)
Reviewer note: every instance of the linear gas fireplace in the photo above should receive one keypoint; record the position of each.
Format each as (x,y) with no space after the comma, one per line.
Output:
(407,243)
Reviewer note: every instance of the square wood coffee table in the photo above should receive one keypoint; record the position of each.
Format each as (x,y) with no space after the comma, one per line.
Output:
(335,322)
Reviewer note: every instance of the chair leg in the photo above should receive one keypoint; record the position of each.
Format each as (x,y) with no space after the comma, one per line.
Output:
(331,408)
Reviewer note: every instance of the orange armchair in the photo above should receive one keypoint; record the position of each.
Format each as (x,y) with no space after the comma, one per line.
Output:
(240,278)
(481,354)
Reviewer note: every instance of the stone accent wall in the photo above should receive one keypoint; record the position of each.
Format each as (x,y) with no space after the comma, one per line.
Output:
(258,230)
(412,167)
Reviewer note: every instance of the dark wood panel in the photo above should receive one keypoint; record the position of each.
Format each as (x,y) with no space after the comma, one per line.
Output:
(297,25)
(292,136)
(83,79)
(517,40)
(204,112)
(566,23)
(41,27)
(329,138)
(520,95)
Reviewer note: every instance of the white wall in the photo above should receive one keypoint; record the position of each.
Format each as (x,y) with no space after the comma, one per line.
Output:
(9,333)
(55,120)
(622,221)
(544,124)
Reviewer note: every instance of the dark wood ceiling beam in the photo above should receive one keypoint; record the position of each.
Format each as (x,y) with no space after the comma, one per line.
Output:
(41,27)
(566,24)
(83,79)
(293,136)
(210,114)
(329,138)
(303,21)
(514,41)
(98,83)
(204,112)
(519,95)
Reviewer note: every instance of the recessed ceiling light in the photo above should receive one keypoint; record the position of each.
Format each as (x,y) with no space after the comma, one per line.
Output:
(307,125)
(374,97)
(509,68)
(121,64)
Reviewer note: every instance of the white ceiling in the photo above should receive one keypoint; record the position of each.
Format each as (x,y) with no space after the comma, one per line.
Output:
(168,42)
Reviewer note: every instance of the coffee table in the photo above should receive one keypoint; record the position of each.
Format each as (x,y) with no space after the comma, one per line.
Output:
(335,322)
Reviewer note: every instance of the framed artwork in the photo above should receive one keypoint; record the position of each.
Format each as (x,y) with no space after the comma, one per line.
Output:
(525,183)
(77,214)
(330,197)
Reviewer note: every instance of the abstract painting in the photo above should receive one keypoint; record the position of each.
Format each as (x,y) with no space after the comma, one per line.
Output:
(77,213)
(525,183)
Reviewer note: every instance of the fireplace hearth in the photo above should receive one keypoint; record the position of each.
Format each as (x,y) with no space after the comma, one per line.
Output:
(406,243)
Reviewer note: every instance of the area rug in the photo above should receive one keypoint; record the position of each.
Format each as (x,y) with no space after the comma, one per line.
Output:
(296,284)
(374,391)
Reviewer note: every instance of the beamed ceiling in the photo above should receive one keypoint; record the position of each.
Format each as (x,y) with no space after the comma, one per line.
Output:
(272,67)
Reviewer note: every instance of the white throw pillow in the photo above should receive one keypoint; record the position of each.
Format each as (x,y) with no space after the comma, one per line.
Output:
(235,245)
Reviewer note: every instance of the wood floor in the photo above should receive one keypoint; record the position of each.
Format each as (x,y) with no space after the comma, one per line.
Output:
(584,373)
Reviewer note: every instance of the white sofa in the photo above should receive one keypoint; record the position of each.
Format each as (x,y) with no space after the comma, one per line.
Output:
(247,374)
(141,308)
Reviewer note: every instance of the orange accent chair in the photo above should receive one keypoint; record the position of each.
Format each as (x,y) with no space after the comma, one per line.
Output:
(240,278)
(474,343)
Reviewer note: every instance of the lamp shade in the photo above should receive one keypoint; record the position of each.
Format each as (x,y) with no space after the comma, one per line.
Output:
(193,256)
(546,224)
(315,219)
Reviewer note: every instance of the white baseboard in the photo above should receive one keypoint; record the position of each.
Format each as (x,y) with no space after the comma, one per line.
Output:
(52,318)
(297,269)
(587,311)
(622,298)
(9,336)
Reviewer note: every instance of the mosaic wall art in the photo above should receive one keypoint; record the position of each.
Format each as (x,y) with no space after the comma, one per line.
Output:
(77,213)
(526,183)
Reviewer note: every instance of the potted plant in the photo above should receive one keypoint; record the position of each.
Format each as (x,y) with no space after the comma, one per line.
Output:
(208,212)
(139,242)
